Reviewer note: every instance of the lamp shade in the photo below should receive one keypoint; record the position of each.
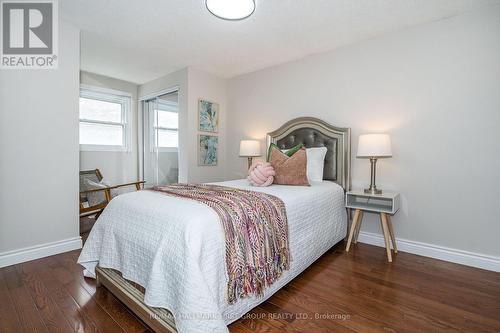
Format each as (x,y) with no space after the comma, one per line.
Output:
(374,145)
(249,148)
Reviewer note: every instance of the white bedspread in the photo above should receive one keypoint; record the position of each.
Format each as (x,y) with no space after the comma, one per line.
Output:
(174,248)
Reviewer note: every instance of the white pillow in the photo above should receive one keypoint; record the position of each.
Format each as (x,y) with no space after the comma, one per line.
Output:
(315,163)
(98,197)
(95,198)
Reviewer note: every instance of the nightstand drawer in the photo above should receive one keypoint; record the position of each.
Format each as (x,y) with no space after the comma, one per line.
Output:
(387,202)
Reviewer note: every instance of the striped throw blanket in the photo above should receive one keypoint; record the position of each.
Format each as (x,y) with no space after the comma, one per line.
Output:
(256,234)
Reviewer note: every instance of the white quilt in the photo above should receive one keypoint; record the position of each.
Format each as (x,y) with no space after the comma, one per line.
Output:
(174,248)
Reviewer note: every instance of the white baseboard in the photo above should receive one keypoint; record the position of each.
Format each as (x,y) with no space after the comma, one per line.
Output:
(434,251)
(39,251)
(478,260)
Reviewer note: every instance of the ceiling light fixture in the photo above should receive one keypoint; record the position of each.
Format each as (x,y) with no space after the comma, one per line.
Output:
(231,10)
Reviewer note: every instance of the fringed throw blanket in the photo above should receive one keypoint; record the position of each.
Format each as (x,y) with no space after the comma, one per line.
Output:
(256,234)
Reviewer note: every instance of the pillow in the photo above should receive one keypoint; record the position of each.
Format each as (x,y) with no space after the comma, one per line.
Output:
(289,170)
(288,152)
(315,163)
(95,198)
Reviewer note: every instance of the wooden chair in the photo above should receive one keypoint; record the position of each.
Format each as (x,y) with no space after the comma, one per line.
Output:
(93,200)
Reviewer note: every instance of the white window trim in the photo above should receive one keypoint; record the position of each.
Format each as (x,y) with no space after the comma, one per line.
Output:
(115,96)
(170,107)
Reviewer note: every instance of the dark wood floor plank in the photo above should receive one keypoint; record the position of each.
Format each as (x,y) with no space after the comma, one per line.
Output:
(259,320)
(259,325)
(429,286)
(238,327)
(9,320)
(87,303)
(304,318)
(70,270)
(371,297)
(426,269)
(342,292)
(420,300)
(316,305)
(78,320)
(455,274)
(51,315)
(117,310)
(30,319)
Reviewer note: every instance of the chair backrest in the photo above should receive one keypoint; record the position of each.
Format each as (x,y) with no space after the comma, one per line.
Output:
(95,198)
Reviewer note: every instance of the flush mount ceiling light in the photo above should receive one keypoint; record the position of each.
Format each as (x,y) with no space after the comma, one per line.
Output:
(231,9)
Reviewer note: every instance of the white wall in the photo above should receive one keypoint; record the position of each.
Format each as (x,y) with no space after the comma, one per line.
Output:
(116,167)
(434,88)
(194,84)
(39,152)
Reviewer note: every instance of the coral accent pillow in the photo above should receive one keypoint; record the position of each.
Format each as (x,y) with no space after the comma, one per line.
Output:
(290,170)
(261,174)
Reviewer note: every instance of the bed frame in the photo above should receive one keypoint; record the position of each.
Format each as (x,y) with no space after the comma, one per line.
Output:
(311,132)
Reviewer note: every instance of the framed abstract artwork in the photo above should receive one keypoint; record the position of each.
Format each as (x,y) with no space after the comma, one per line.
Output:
(208,116)
(207,149)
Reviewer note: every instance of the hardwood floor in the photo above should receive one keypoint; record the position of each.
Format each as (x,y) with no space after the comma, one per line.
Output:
(342,292)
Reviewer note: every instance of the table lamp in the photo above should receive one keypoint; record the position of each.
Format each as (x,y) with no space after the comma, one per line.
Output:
(374,146)
(250,149)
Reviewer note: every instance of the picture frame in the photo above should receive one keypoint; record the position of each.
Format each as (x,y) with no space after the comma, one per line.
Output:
(208,150)
(208,116)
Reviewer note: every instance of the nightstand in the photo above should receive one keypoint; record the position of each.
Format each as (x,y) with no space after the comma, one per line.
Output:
(386,204)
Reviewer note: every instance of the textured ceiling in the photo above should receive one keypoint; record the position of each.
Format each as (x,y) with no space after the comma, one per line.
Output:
(139,41)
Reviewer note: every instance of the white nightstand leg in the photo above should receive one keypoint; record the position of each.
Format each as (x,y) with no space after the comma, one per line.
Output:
(385,228)
(353,228)
(358,226)
(391,231)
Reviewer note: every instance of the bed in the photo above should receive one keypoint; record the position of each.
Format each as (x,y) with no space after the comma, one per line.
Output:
(164,256)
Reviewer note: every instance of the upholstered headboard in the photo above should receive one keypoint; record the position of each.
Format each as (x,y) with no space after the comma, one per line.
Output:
(314,132)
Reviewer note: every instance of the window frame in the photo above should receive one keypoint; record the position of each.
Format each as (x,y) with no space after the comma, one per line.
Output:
(112,96)
(166,106)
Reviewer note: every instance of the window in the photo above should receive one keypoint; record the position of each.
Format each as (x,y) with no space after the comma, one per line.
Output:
(167,126)
(104,118)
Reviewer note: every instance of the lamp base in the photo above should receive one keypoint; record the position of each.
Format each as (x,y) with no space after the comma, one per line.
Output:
(372,191)
(373,188)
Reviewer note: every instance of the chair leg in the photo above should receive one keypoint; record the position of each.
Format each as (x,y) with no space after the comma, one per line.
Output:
(385,229)
(353,228)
